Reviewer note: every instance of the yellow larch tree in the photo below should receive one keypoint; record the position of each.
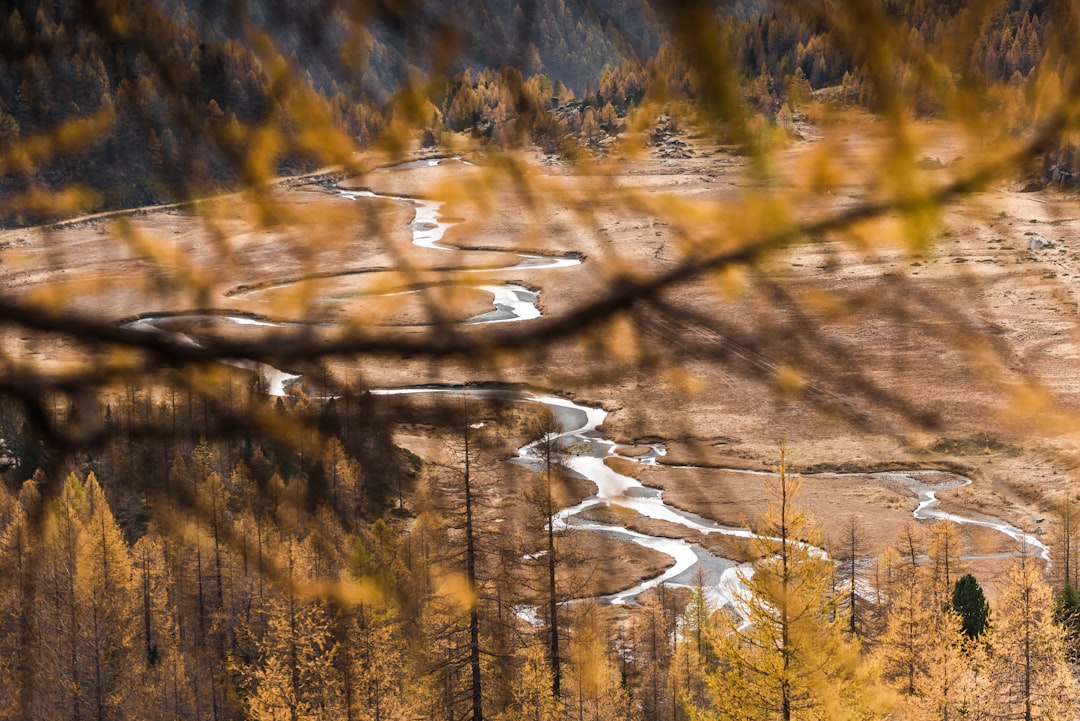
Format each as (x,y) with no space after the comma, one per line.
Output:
(293,678)
(594,690)
(1029,670)
(16,555)
(532,696)
(906,640)
(104,586)
(782,651)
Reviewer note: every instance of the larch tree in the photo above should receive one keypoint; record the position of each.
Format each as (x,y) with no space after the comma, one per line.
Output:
(545,497)
(343,479)
(850,554)
(379,678)
(169,694)
(692,655)
(105,585)
(782,657)
(58,625)
(461,538)
(532,696)
(594,681)
(1063,541)
(907,637)
(944,550)
(85,625)
(480,565)
(946,686)
(293,678)
(1030,672)
(651,653)
(17,546)
(782,650)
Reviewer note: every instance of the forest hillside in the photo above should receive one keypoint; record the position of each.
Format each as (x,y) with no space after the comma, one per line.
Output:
(583,359)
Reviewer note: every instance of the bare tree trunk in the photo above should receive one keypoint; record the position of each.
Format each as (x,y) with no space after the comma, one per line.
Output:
(470,569)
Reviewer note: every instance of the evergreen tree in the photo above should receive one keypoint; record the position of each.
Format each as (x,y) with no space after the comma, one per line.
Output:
(968,601)
(1067,615)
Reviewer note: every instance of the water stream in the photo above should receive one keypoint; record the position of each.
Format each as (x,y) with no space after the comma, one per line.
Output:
(586,446)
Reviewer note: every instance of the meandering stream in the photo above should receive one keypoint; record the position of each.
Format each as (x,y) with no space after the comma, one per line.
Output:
(580,431)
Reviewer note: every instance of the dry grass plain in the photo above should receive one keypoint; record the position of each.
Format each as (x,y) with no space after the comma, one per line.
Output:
(968,342)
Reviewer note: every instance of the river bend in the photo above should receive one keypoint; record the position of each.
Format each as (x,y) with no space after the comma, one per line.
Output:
(580,432)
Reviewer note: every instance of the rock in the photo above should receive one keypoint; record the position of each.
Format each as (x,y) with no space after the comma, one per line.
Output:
(928,163)
(1037,242)
(1060,173)
(1032,185)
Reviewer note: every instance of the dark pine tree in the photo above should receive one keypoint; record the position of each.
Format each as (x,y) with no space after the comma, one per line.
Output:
(968,601)
(1067,615)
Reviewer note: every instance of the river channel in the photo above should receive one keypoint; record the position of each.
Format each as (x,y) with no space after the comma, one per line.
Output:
(580,430)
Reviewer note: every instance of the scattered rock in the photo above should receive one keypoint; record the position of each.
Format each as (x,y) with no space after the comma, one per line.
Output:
(1032,185)
(1037,242)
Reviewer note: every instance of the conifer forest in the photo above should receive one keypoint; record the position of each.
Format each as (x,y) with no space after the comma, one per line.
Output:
(539,360)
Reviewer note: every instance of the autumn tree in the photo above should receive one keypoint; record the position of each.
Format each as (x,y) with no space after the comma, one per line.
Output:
(545,499)
(166,675)
(293,677)
(693,656)
(85,624)
(909,630)
(651,651)
(944,552)
(462,611)
(1029,669)
(185,104)
(781,649)
(595,690)
(1063,542)
(17,546)
(850,555)
(379,679)
(533,699)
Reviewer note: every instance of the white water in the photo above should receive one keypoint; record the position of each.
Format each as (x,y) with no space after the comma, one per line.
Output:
(511,302)
(588,449)
(929,509)
(580,423)
(276,380)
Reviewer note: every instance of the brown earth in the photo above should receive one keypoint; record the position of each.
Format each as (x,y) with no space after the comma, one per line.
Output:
(969,341)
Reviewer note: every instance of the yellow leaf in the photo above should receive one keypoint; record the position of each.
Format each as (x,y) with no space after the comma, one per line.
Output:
(788,381)
(456,587)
